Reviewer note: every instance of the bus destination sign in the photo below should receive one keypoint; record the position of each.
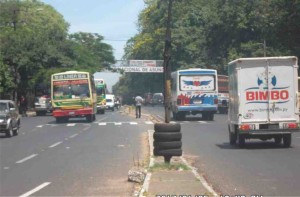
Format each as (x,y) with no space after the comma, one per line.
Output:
(70,76)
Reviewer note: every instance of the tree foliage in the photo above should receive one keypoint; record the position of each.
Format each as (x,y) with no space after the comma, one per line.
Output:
(209,34)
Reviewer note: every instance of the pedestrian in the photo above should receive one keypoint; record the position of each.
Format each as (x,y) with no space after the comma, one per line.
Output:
(23,106)
(138,106)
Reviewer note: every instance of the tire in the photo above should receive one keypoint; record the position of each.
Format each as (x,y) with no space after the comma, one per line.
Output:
(167,127)
(232,138)
(287,140)
(211,116)
(167,136)
(204,116)
(167,145)
(89,118)
(16,130)
(278,140)
(9,132)
(168,152)
(241,140)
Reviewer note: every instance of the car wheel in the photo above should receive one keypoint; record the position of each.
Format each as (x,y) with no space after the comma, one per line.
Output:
(9,132)
(16,130)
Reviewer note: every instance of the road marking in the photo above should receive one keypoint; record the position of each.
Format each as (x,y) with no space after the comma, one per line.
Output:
(118,123)
(27,158)
(35,189)
(71,125)
(40,126)
(102,124)
(56,144)
(101,119)
(203,122)
(72,136)
(86,128)
(6,168)
(133,123)
(149,122)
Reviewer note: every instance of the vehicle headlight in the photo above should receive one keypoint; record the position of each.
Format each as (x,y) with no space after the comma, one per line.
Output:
(3,120)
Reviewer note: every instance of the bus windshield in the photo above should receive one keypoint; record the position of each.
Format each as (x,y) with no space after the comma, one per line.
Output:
(205,82)
(71,89)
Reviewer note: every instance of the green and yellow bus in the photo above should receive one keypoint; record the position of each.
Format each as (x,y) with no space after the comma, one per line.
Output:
(101,92)
(73,94)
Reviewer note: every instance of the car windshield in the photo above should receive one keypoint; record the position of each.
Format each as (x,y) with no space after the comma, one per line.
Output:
(3,107)
(108,100)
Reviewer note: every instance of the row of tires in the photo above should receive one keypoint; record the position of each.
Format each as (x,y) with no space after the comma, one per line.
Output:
(167,140)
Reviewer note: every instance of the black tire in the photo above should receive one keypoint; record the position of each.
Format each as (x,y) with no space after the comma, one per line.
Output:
(278,140)
(167,137)
(167,127)
(287,140)
(167,145)
(204,116)
(241,140)
(58,120)
(16,130)
(89,118)
(9,132)
(168,152)
(232,138)
(211,116)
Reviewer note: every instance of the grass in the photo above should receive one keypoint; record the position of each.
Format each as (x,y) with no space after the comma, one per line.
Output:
(166,166)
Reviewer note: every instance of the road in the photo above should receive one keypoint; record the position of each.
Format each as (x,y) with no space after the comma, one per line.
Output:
(72,159)
(261,168)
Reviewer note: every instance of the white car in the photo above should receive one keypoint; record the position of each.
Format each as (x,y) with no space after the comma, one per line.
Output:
(110,102)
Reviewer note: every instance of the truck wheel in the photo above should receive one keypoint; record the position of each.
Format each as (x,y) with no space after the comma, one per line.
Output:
(278,139)
(241,140)
(287,140)
(232,138)
(167,127)
(205,116)
(211,116)
(89,118)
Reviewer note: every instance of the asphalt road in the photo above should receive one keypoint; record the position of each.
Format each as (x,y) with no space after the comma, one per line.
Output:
(72,159)
(261,168)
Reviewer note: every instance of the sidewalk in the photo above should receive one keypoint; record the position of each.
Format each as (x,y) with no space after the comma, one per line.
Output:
(174,180)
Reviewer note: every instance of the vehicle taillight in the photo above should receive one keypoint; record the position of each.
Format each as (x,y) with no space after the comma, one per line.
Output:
(292,125)
(245,127)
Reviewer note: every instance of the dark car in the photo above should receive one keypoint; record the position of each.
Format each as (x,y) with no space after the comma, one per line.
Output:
(9,118)
(223,105)
(157,99)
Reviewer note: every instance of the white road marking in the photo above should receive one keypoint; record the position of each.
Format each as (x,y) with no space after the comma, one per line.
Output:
(133,123)
(35,189)
(118,123)
(102,123)
(203,122)
(101,120)
(72,136)
(27,158)
(56,144)
(67,147)
(71,125)
(149,122)
(6,168)
(40,126)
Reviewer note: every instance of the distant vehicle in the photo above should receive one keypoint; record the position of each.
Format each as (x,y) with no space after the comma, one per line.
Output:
(263,99)
(148,98)
(194,91)
(9,118)
(223,94)
(157,99)
(110,102)
(42,105)
(101,93)
(73,94)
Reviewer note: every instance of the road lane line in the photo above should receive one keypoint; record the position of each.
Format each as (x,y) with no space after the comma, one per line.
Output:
(35,189)
(72,136)
(149,122)
(101,119)
(56,144)
(71,125)
(102,124)
(118,123)
(202,122)
(40,126)
(27,158)
(133,123)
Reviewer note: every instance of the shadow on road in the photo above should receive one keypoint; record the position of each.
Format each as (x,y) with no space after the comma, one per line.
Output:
(253,146)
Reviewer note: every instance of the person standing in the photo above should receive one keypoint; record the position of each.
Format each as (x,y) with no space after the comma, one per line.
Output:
(23,106)
(138,106)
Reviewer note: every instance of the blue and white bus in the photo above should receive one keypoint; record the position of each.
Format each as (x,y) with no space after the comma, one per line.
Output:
(194,91)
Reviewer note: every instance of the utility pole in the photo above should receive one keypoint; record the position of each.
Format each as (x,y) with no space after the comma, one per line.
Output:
(166,65)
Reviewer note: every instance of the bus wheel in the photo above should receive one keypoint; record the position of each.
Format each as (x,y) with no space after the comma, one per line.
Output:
(89,118)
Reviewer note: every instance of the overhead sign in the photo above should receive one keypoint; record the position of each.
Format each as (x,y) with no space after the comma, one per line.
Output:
(143,69)
(145,63)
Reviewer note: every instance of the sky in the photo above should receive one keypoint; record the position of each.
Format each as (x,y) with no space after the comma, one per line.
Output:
(115,20)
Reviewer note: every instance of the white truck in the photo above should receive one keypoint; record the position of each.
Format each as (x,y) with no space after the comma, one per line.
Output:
(263,99)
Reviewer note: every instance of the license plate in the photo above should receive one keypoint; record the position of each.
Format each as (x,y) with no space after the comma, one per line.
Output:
(71,113)
(197,102)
